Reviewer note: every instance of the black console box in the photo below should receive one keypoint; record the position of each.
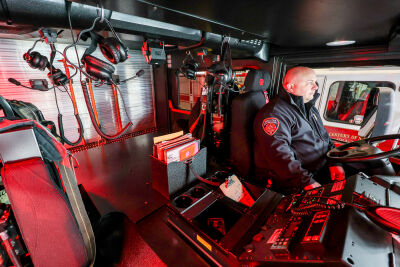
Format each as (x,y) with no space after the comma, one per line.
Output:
(168,179)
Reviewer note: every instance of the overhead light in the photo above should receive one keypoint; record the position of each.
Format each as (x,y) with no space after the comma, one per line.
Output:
(340,43)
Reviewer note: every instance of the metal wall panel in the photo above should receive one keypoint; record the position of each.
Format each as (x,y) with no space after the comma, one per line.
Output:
(138,93)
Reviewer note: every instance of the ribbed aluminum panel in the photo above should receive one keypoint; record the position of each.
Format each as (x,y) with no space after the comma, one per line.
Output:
(138,93)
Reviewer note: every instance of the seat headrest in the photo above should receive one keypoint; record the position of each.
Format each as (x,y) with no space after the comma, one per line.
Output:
(257,80)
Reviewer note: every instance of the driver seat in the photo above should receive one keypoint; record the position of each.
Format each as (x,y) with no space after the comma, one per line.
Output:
(244,109)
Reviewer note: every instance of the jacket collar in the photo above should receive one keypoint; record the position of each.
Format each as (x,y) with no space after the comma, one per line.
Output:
(293,99)
(298,100)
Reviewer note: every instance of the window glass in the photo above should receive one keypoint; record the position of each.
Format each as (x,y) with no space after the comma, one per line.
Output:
(190,90)
(352,101)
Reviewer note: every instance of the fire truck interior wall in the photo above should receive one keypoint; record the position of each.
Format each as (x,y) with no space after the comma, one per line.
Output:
(181,55)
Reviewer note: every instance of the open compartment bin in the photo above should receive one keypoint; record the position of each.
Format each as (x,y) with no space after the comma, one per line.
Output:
(171,178)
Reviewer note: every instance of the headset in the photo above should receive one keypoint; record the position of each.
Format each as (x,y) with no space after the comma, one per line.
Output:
(112,49)
(37,61)
(57,77)
(189,67)
(224,68)
(222,71)
(223,74)
(96,69)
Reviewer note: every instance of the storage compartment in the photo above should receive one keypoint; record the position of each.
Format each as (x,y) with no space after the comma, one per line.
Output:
(169,179)
(197,192)
(218,219)
(183,201)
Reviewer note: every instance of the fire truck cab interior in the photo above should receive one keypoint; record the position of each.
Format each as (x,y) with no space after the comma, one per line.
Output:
(90,188)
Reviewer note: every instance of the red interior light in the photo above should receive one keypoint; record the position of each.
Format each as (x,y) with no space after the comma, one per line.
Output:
(386,217)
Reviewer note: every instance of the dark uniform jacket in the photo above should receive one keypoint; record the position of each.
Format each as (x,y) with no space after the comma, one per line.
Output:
(290,142)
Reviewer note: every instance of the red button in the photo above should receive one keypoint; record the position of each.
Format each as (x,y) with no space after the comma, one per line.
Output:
(316,237)
(258,237)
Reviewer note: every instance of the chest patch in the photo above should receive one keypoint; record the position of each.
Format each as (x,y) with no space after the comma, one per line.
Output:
(270,125)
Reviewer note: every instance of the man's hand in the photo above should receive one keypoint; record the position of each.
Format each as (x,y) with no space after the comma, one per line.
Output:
(311,186)
(337,173)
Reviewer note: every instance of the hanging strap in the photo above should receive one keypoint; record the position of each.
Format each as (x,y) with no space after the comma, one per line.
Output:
(202,113)
(71,188)
(194,125)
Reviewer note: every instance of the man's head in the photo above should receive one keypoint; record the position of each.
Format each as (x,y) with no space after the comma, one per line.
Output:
(301,81)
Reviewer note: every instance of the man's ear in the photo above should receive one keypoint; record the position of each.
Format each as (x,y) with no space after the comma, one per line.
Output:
(289,87)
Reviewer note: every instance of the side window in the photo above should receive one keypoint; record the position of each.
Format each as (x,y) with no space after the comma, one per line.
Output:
(348,100)
(190,90)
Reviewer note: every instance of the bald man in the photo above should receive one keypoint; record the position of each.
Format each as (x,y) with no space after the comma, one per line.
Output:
(290,139)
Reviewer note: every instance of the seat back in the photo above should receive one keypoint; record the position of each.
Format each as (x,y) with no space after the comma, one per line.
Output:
(42,209)
(244,109)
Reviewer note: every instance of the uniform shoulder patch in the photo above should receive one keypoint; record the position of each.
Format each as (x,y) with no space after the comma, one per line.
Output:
(270,125)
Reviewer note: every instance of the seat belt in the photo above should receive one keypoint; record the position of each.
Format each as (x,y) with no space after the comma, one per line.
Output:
(68,178)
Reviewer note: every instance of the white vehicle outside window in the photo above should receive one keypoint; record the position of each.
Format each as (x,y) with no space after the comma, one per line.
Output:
(350,98)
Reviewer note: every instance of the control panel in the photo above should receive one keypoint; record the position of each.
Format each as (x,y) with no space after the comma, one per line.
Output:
(324,225)
(320,226)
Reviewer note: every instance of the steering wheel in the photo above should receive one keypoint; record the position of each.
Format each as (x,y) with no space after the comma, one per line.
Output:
(363,150)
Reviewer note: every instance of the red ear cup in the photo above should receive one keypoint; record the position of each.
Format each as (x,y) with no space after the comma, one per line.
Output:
(123,51)
(109,50)
(36,60)
(97,68)
(113,50)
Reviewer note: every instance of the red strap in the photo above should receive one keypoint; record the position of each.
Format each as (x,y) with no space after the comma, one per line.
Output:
(171,107)
(203,111)
(364,105)
(330,105)
(195,124)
